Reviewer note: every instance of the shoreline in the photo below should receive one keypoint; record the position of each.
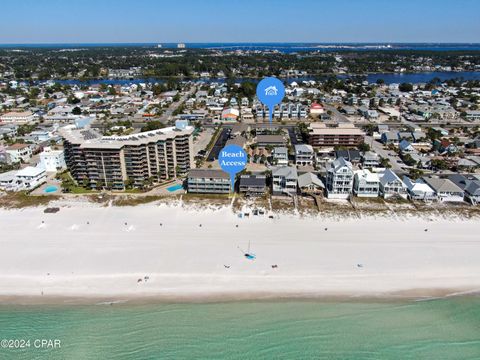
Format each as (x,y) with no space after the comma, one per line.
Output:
(87,253)
(221,298)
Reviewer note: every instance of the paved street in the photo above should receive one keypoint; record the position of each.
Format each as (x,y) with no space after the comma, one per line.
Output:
(389,154)
(167,115)
(337,115)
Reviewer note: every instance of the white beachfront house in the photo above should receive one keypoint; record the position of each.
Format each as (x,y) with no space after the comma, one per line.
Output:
(391,185)
(419,190)
(280,156)
(25,179)
(339,179)
(31,177)
(366,183)
(370,159)
(9,181)
(284,180)
(52,160)
(304,154)
(445,189)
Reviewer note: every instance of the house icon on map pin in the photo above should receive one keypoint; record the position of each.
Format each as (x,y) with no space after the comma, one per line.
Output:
(271,91)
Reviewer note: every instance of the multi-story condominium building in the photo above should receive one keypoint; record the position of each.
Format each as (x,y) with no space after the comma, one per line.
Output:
(22,117)
(208,181)
(304,154)
(284,180)
(341,135)
(339,179)
(132,160)
(365,183)
(391,185)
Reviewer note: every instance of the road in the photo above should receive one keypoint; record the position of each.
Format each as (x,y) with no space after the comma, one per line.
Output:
(167,115)
(389,154)
(338,116)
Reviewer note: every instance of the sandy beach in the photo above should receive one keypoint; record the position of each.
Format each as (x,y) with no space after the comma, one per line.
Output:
(162,252)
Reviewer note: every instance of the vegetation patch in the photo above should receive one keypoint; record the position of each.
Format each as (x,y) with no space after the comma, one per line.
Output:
(136,200)
(22,199)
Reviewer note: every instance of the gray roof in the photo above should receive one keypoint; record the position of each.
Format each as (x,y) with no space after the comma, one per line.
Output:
(370,155)
(253,180)
(388,177)
(390,135)
(349,155)
(442,185)
(208,173)
(339,163)
(280,150)
(418,135)
(458,179)
(467,163)
(288,172)
(304,148)
(309,178)
(237,140)
(474,158)
(473,187)
(270,139)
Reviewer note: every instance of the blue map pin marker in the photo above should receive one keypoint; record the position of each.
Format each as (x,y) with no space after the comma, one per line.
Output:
(232,160)
(270,92)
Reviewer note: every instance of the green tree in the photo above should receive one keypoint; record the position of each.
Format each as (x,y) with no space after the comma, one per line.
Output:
(384,162)
(364,147)
(405,87)
(439,164)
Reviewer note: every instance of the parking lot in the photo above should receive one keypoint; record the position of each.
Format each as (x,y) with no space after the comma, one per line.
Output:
(219,144)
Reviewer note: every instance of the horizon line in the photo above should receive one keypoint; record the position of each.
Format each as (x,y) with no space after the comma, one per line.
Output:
(243,42)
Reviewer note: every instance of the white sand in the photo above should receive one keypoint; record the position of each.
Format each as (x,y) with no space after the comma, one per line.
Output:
(66,257)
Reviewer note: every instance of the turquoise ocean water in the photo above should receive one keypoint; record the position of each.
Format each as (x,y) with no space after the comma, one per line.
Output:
(435,329)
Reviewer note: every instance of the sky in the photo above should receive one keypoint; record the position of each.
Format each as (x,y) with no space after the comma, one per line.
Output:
(162,21)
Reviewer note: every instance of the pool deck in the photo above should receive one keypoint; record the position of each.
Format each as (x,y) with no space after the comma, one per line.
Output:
(159,190)
(51,181)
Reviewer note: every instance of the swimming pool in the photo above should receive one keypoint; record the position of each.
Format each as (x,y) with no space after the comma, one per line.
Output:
(50,189)
(175,188)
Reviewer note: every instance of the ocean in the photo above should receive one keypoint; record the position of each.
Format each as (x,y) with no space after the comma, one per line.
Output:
(446,328)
